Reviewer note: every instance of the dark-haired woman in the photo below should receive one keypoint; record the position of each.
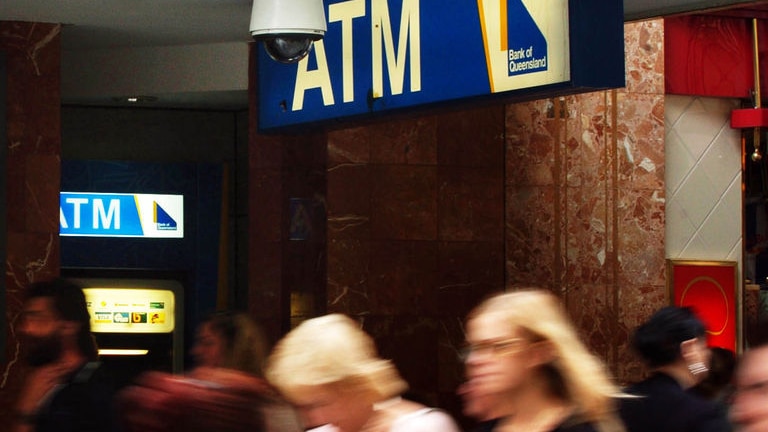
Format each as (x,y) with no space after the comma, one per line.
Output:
(673,344)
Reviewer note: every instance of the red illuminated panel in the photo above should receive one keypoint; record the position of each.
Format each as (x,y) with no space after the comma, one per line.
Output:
(710,56)
(709,288)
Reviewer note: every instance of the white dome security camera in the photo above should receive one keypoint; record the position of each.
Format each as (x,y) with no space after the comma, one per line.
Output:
(288,27)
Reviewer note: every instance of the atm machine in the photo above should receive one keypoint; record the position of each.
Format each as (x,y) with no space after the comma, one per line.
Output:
(137,323)
(143,239)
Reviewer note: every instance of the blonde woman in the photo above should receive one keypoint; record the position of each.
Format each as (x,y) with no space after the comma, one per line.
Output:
(328,368)
(528,371)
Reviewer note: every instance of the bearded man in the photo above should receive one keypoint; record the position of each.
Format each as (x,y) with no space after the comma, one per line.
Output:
(66,389)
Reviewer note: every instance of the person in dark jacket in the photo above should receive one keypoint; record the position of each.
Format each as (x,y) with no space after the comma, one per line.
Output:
(673,345)
(66,388)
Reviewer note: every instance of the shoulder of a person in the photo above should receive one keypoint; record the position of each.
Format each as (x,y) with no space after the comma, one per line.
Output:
(425,419)
(657,386)
(710,416)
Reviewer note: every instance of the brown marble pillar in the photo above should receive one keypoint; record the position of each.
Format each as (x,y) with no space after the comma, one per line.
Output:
(33,53)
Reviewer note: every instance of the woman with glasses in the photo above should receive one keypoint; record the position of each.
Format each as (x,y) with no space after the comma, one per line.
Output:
(527,370)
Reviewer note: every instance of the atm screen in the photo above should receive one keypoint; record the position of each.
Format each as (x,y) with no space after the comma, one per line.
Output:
(130,310)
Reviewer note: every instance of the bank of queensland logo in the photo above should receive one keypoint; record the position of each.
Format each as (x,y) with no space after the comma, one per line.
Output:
(526,42)
(162,220)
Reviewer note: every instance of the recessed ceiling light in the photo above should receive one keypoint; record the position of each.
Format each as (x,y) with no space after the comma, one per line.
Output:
(135,99)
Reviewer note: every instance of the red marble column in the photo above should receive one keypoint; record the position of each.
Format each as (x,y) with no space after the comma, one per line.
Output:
(585,200)
(33,174)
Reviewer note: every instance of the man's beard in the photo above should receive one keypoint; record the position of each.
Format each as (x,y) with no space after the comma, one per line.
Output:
(42,350)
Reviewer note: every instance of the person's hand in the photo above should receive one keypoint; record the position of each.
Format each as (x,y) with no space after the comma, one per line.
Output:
(40,381)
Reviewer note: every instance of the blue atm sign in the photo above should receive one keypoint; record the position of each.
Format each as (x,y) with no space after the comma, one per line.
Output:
(386,55)
(121,215)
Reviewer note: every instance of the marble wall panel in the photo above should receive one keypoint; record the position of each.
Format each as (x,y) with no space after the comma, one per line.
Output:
(597,233)
(265,192)
(644,56)
(266,153)
(407,142)
(349,201)
(33,174)
(471,137)
(349,146)
(411,342)
(266,299)
(467,273)
(404,202)
(349,286)
(533,248)
(592,306)
(470,203)
(640,139)
(403,278)
(530,150)
(415,223)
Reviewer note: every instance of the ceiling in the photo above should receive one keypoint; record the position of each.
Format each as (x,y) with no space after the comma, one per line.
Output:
(120,24)
(92,24)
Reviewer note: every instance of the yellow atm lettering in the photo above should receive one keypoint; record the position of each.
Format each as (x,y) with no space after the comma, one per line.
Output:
(382,48)
(345,12)
(409,39)
(101,218)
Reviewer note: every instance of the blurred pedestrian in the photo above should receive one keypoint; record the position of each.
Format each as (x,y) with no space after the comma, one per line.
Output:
(673,345)
(67,389)
(328,367)
(749,409)
(231,340)
(224,392)
(528,370)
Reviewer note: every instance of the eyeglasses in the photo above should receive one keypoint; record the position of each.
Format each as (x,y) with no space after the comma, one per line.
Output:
(505,346)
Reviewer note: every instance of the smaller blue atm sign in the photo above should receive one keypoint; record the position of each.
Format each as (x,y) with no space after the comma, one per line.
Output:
(121,215)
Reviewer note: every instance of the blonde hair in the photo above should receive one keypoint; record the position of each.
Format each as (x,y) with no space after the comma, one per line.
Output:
(331,350)
(575,374)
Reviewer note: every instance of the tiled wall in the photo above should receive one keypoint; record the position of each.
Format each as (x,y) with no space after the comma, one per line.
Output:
(704,186)
(703,179)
